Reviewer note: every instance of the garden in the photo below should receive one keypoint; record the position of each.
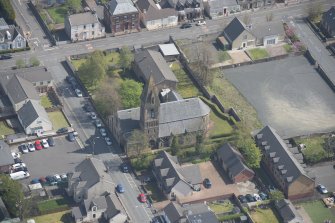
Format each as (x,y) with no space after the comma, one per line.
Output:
(258,53)
(58,217)
(58,119)
(5,129)
(318,212)
(260,215)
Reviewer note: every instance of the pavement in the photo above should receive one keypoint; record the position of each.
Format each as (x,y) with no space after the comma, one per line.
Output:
(288,94)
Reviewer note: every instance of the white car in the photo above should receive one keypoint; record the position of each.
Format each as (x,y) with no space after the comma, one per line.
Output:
(57,177)
(322,189)
(78,93)
(98,123)
(18,165)
(63,176)
(15,155)
(108,141)
(31,147)
(257,197)
(45,143)
(200,23)
(93,116)
(103,132)
(24,148)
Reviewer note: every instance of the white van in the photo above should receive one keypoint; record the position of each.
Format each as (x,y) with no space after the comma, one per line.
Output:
(19,175)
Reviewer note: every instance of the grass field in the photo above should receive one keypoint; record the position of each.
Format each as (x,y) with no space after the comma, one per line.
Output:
(264,215)
(318,212)
(258,53)
(59,217)
(219,208)
(220,126)
(58,13)
(45,101)
(112,59)
(58,120)
(314,150)
(5,130)
(185,86)
(53,204)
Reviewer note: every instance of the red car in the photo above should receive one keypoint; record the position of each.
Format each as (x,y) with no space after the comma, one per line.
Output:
(38,145)
(142,198)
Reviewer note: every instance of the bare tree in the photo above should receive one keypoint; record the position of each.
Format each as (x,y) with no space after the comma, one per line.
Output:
(202,67)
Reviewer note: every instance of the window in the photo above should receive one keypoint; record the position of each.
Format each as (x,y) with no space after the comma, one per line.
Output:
(125,17)
(93,25)
(271,41)
(94,215)
(49,82)
(76,35)
(92,33)
(152,112)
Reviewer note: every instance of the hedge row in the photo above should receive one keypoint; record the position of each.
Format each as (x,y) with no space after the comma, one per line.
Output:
(217,111)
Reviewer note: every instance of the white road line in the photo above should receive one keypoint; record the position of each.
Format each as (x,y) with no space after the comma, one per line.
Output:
(130,181)
(81,145)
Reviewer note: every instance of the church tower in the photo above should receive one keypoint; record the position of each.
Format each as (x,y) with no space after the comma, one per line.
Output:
(149,114)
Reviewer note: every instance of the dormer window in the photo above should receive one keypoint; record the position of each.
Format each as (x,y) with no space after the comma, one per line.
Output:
(94,208)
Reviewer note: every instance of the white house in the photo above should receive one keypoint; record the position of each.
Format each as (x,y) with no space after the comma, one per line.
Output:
(84,26)
(11,37)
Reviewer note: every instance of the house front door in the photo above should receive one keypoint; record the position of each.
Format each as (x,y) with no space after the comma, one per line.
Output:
(244,45)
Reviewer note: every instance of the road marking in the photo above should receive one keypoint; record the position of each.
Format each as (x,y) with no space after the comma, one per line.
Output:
(131,181)
(89,46)
(80,143)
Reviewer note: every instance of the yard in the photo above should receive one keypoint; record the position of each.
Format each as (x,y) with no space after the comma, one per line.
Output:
(264,215)
(5,129)
(45,101)
(58,120)
(185,86)
(314,148)
(257,53)
(219,208)
(53,205)
(220,127)
(318,212)
(156,194)
(223,56)
(59,217)
(58,13)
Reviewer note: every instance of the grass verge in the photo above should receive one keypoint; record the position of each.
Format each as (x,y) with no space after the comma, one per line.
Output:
(220,127)
(264,215)
(220,208)
(258,53)
(5,129)
(223,56)
(58,120)
(45,101)
(59,217)
(318,212)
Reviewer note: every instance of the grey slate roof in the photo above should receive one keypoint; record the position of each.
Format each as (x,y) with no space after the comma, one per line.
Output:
(14,32)
(99,201)
(5,154)
(153,64)
(20,89)
(329,18)
(232,159)
(119,7)
(277,148)
(3,24)
(114,206)
(173,211)
(151,12)
(271,28)
(32,74)
(31,111)
(129,119)
(83,19)
(287,211)
(220,4)
(234,29)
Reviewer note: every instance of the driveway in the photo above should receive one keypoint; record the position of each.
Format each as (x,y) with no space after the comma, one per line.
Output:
(288,94)
(324,174)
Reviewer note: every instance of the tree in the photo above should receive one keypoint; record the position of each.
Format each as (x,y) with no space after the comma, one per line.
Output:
(276,195)
(126,58)
(75,5)
(20,63)
(34,61)
(329,145)
(174,145)
(13,197)
(199,143)
(130,93)
(314,12)
(7,11)
(202,66)
(137,143)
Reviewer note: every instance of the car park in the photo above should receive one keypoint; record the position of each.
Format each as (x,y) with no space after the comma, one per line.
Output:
(257,197)
(78,92)
(108,141)
(24,148)
(98,123)
(87,107)
(103,132)
(201,23)
(207,183)
(120,188)
(45,143)
(250,198)
(16,165)
(38,145)
(15,155)
(124,168)
(72,81)
(186,26)
(142,198)
(51,141)
(93,115)
(322,189)
(43,180)
(242,199)
(19,175)
(62,130)
(20,168)
(31,147)
(70,137)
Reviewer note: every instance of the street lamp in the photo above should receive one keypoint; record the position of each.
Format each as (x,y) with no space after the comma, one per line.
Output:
(93,143)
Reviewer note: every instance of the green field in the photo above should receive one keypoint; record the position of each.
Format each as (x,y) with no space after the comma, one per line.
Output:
(5,129)
(314,151)
(258,53)
(318,212)
(264,215)
(58,13)
(59,217)
(112,59)
(54,204)
(58,120)
(220,126)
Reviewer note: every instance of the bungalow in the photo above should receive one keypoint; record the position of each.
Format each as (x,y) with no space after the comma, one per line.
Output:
(269,33)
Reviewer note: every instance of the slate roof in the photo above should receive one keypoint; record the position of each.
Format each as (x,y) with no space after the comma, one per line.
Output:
(83,19)
(151,12)
(32,74)
(31,111)
(119,7)
(114,206)
(152,63)
(14,32)
(5,154)
(276,148)
(220,4)
(287,211)
(232,159)
(329,18)
(20,89)
(271,28)
(3,24)
(173,211)
(234,29)
(99,201)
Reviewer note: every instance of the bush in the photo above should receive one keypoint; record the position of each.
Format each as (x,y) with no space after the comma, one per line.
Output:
(229,217)
(143,162)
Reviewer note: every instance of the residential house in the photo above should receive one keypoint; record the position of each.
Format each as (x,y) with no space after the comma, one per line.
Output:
(287,212)
(159,121)
(281,164)
(33,118)
(154,17)
(84,26)
(232,163)
(121,17)
(174,180)
(6,158)
(327,21)
(11,37)
(269,33)
(252,4)
(238,36)
(189,213)
(216,8)
(149,63)
(188,9)
(94,7)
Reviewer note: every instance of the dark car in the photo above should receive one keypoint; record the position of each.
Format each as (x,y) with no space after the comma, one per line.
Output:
(51,180)
(263,196)
(242,199)
(186,26)
(160,219)
(124,168)
(207,183)
(71,137)
(18,160)
(6,57)
(35,181)
(62,130)
(250,198)
(20,168)
(120,188)
(88,108)
(43,180)
(51,141)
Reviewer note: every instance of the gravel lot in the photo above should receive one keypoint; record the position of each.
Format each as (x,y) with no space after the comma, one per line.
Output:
(288,94)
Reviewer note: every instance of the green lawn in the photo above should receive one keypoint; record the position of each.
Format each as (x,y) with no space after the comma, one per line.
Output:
(264,215)
(5,129)
(318,212)
(54,204)
(288,48)
(58,120)
(258,53)
(185,86)
(45,101)
(59,217)
(223,56)
(220,126)
(219,208)
(314,151)
(58,13)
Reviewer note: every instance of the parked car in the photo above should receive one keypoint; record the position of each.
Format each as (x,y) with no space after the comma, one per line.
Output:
(72,81)
(63,176)
(38,145)
(35,181)
(120,188)
(201,23)
(51,180)
(124,168)
(257,197)
(57,178)
(207,183)
(98,123)
(322,189)
(43,180)
(18,160)
(5,56)
(242,199)
(88,108)
(263,196)
(24,148)
(142,198)
(70,137)
(93,115)
(31,147)
(19,169)
(250,198)
(15,155)
(45,143)
(108,141)
(186,26)
(78,93)
(62,130)
(103,132)
(51,141)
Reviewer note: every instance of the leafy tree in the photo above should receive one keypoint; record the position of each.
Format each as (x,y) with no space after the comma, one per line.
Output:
(137,143)
(329,145)
(314,12)
(75,5)
(7,11)
(126,58)
(34,61)
(130,93)
(276,195)
(174,145)
(20,63)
